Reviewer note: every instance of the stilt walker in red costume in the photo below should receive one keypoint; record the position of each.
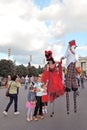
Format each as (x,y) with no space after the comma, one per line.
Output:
(52,75)
(70,82)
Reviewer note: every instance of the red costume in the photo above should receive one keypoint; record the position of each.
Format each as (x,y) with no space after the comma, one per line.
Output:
(53,75)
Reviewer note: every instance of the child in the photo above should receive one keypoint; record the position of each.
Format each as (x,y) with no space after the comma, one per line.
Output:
(30,104)
(26,81)
(39,91)
(44,100)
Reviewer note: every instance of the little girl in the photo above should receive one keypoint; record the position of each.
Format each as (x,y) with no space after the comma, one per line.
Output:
(31,102)
(44,99)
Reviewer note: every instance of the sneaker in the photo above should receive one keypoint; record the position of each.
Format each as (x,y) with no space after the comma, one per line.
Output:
(41,117)
(5,113)
(16,113)
(35,118)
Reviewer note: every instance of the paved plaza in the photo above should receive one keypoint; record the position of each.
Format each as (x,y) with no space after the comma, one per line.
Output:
(60,120)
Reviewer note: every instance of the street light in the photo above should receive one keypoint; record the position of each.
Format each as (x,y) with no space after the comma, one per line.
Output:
(9,53)
(30,58)
(43,60)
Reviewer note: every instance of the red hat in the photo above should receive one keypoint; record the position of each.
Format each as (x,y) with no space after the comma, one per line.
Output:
(48,55)
(72,43)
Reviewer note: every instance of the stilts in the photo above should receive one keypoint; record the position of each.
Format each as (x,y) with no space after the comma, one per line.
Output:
(52,113)
(75,105)
(67,102)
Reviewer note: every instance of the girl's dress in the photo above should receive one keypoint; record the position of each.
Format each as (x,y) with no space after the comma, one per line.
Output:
(55,86)
(30,105)
(31,98)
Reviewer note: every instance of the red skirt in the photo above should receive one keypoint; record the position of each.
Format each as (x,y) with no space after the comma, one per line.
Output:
(45,98)
(55,87)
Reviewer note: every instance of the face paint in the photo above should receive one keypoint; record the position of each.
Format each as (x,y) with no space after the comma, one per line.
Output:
(73,49)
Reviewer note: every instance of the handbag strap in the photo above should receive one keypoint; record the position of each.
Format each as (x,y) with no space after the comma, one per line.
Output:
(9,86)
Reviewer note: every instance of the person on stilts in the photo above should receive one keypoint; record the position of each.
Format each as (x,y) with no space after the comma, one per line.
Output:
(70,82)
(52,75)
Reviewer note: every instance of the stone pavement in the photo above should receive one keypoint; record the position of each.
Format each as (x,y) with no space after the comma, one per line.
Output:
(60,120)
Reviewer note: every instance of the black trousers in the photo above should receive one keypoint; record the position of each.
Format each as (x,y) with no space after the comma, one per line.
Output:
(38,107)
(12,97)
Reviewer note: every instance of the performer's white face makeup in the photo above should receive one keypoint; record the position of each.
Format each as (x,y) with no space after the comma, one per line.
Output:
(73,48)
(50,62)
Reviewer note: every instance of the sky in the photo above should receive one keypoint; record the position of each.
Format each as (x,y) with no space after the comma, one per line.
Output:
(29,27)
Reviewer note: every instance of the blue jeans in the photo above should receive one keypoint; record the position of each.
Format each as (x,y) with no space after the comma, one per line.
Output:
(26,85)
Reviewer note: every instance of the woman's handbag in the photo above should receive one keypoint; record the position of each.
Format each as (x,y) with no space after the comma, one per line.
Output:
(7,91)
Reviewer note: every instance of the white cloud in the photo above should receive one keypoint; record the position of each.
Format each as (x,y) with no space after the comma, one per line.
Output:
(83,48)
(23,26)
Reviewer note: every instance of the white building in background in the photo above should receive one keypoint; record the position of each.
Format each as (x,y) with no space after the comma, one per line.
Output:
(82,63)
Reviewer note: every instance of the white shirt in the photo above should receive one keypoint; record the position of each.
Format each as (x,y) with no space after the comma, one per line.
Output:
(70,57)
(38,85)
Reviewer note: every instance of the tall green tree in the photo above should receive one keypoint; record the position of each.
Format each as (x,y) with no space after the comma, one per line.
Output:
(32,71)
(7,67)
(21,70)
(40,70)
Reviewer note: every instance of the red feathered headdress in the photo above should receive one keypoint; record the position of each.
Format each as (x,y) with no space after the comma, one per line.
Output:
(48,55)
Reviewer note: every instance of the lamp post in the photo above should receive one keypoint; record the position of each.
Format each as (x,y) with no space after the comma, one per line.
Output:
(9,53)
(43,60)
(30,58)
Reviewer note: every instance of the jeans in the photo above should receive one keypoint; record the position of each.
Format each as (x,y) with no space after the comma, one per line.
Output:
(26,85)
(13,97)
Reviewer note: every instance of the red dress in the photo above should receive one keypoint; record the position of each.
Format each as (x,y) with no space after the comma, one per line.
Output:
(55,86)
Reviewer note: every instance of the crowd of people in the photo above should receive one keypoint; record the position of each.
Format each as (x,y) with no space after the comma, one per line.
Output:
(36,98)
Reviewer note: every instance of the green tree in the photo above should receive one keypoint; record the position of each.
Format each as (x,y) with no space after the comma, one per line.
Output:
(21,70)
(32,71)
(40,69)
(7,67)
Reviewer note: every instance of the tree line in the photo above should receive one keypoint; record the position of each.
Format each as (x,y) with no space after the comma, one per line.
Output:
(8,67)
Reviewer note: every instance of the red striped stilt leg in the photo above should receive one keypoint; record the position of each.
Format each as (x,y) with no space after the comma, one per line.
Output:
(67,102)
(74,98)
